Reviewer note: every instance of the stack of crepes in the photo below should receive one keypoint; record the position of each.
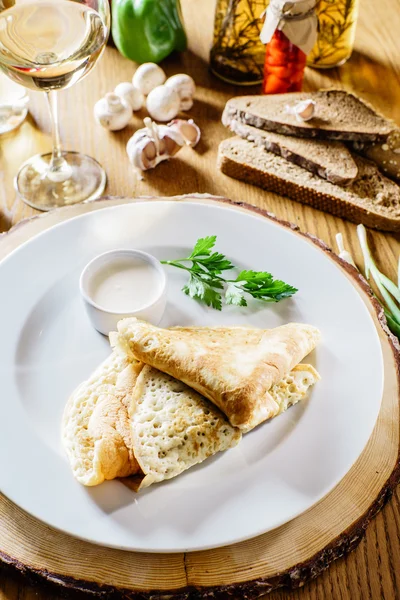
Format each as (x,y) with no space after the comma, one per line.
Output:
(167,399)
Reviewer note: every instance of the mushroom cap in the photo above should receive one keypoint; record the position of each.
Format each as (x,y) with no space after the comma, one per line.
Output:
(148,76)
(182,83)
(132,95)
(163,103)
(185,86)
(112,112)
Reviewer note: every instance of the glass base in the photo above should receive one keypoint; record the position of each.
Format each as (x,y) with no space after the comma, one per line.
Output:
(321,65)
(235,81)
(35,188)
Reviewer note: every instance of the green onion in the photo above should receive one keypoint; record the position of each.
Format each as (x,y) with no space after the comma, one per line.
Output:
(389,291)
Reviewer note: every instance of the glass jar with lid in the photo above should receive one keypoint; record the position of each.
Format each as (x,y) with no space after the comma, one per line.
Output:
(237,54)
(337,21)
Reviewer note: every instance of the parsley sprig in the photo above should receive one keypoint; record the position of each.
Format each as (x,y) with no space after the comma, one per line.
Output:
(207,284)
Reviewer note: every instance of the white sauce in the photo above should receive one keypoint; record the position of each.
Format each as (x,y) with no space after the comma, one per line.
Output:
(125,285)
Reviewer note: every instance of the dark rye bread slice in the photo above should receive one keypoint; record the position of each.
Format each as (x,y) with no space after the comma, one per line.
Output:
(329,160)
(339,115)
(371,199)
(386,155)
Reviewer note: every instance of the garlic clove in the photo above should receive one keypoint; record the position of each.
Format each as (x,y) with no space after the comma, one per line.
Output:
(172,139)
(147,77)
(112,112)
(163,103)
(130,94)
(142,153)
(185,86)
(139,135)
(172,147)
(149,155)
(153,144)
(189,131)
(303,110)
(150,152)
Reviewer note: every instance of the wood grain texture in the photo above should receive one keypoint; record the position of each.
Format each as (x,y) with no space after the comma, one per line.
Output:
(372,570)
(287,557)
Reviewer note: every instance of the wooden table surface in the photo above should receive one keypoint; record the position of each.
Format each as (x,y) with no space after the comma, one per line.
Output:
(372,570)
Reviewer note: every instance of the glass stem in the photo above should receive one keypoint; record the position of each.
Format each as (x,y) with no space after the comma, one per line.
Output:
(59,170)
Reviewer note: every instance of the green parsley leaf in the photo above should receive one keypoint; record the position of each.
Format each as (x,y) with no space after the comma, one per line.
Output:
(254,276)
(202,290)
(212,298)
(262,285)
(206,278)
(203,246)
(235,295)
(216,263)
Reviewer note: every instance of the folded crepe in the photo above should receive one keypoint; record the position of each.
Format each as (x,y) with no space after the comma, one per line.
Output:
(96,431)
(173,427)
(130,420)
(235,368)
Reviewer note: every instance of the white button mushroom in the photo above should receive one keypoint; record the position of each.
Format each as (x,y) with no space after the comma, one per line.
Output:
(130,94)
(112,112)
(147,77)
(185,86)
(163,103)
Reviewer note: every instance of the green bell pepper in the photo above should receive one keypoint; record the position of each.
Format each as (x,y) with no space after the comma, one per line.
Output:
(147,30)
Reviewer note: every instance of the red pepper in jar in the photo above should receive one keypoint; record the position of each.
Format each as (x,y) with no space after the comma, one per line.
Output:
(289,32)
(284,66)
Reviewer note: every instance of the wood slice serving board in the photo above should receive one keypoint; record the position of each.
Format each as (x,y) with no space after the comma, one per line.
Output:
(288,556)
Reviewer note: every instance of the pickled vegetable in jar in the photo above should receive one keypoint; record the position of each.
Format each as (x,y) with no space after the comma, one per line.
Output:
(284,66)
(289,32)
(337,22)
(237,53)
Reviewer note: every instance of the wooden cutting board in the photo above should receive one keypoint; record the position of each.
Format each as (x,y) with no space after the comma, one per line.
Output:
(288,556)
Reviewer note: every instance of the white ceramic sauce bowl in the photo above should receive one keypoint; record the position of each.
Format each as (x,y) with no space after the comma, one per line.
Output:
(105,319)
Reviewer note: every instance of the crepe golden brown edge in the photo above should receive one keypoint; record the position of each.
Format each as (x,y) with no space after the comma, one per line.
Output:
(235,368)
(131,420)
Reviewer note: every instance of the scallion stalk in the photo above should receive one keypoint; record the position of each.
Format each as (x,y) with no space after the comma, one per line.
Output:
(389,291)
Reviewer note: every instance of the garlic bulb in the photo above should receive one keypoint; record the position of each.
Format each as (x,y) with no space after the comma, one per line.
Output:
(147,77)
(303,110)
(189,131)
(163,103)
(153,144)
(112,112)
(130,94)
(185,86)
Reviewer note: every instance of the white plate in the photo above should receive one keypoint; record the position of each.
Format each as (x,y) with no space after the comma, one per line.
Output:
(277,472)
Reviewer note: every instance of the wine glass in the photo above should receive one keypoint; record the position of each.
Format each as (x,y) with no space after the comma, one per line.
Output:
(49,45)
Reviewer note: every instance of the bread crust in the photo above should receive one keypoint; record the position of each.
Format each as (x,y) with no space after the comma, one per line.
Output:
(306,195)
(242,109)
(340,170)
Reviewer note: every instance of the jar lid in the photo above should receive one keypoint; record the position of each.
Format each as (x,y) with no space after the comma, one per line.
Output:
(297,19)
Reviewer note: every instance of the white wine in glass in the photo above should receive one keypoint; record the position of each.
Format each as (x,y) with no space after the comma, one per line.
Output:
(49,45)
